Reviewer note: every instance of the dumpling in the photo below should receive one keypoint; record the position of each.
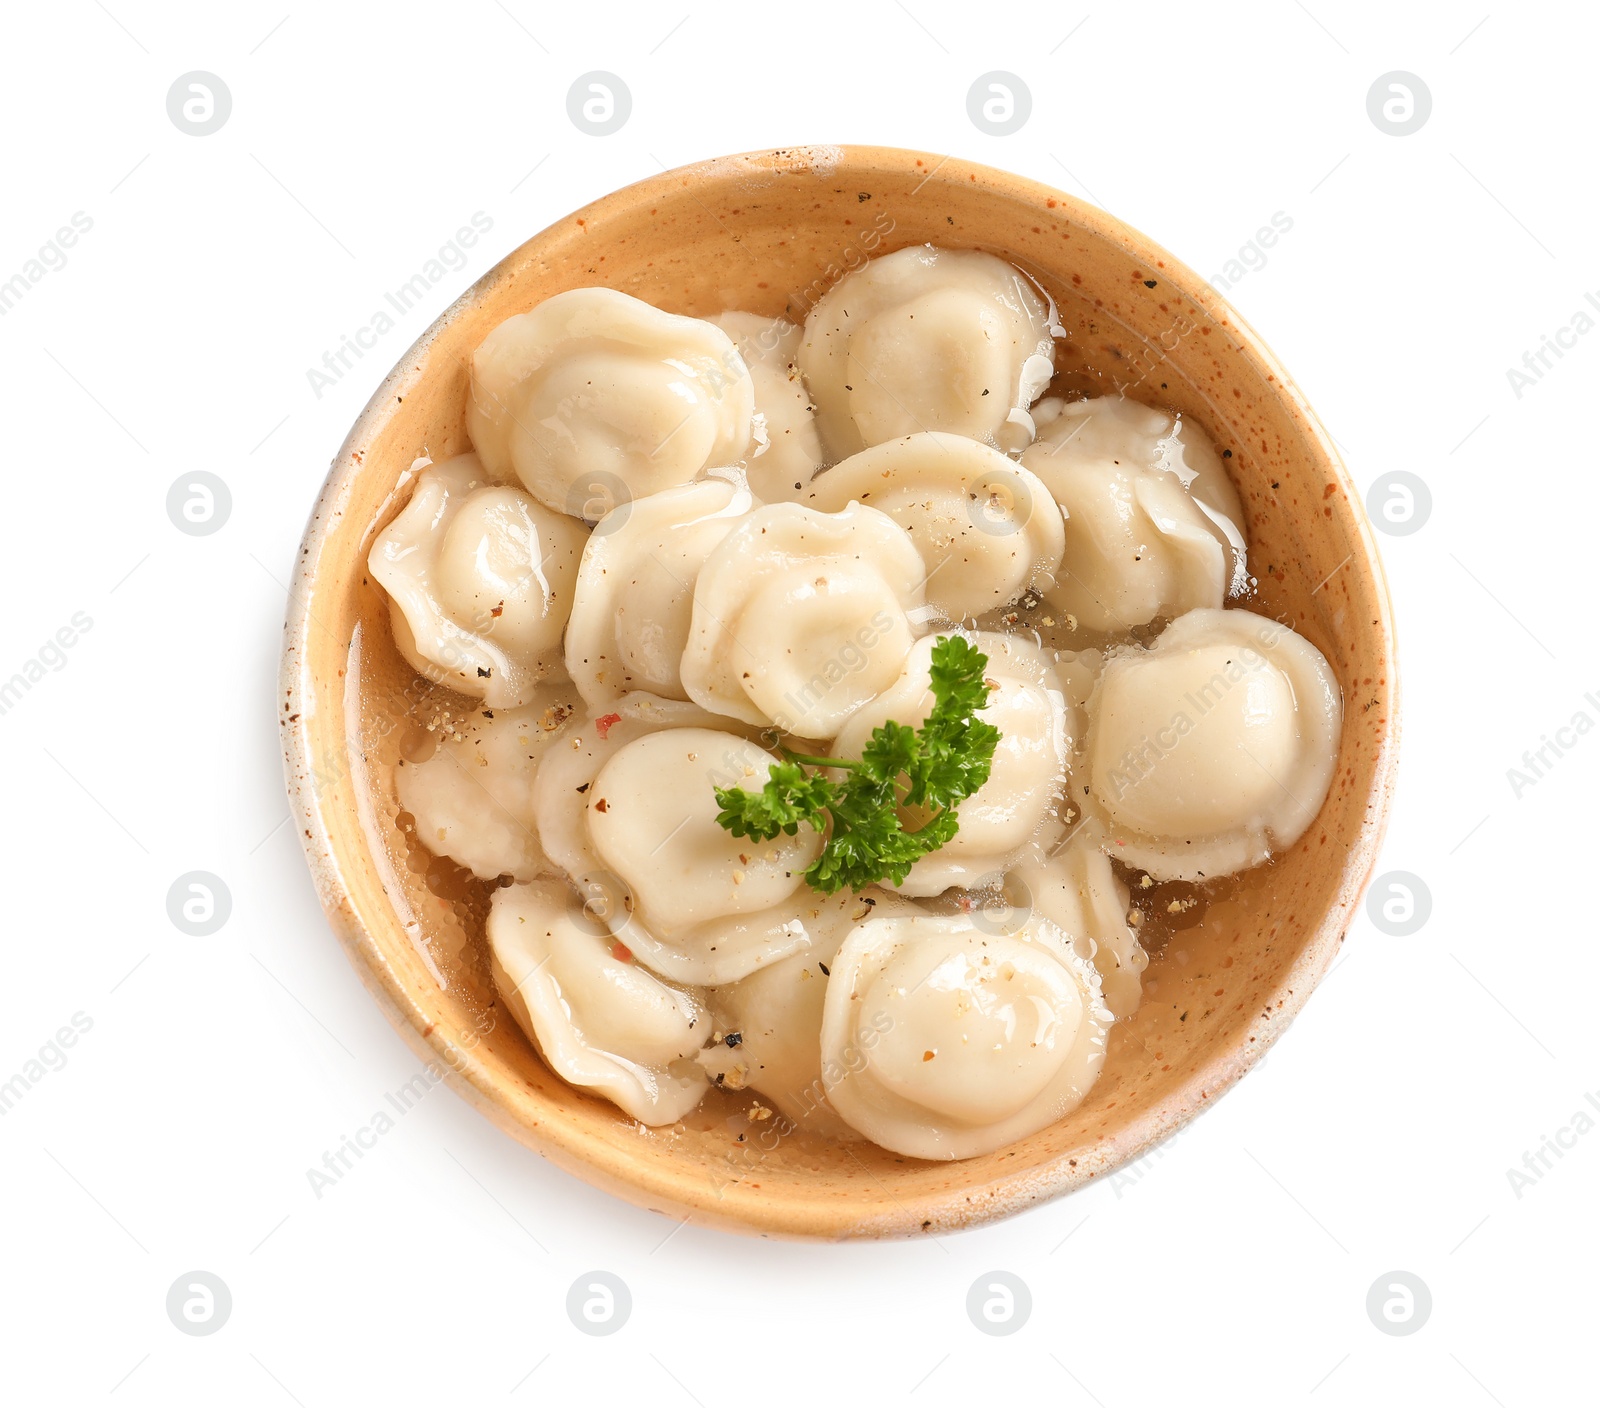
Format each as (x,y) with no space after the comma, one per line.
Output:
(724,950)
(595,398)
(565,776)
(599,1020)
(701,905)
(652,816)
(800,617)
(1213,748)
(1122,429)
(627,808)
(1020,808)
(987,529)
(928,339)
(942,1041)
(480,581)
(780,468)
(773,1018)
(635,591)
(1077,891)
(1152,519)
(473,798)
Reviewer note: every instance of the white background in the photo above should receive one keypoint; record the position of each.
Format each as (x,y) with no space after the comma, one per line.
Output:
(1231,1268)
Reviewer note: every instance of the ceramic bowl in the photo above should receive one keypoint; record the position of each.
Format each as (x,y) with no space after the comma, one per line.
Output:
(768,232)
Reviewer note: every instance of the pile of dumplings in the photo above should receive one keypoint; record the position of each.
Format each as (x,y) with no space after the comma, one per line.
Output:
(679,543)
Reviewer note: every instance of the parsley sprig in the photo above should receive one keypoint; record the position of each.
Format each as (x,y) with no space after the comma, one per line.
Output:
(931,768)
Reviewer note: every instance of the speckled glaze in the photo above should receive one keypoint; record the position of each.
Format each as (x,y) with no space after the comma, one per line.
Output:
(768,232)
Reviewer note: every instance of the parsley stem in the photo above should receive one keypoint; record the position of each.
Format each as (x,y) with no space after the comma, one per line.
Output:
(811,762)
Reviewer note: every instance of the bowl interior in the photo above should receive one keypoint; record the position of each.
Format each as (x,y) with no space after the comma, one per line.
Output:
(769,233)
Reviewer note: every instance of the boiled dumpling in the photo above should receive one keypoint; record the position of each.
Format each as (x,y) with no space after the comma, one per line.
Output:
(773,1018)
(928,339)
(1153,524)
(567,773)
(1120,428)
(987,529)
(626,807)
(1078,892)
(800,617)
(1020,809)
(652,816)
(635,590)
(595,398)
(781,465)
(599,1020)
(943,1041)
(722,950)
(480,581)
(1212,748)
(472,800)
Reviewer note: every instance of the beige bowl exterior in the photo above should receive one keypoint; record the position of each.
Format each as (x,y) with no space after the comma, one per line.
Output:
(768,232)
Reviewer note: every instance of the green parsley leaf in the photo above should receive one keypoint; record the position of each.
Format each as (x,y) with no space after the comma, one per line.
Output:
(791,795)
(856,803)
(957,748)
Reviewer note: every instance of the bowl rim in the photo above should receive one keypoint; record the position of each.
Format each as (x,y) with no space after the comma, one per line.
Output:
(659,1186)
